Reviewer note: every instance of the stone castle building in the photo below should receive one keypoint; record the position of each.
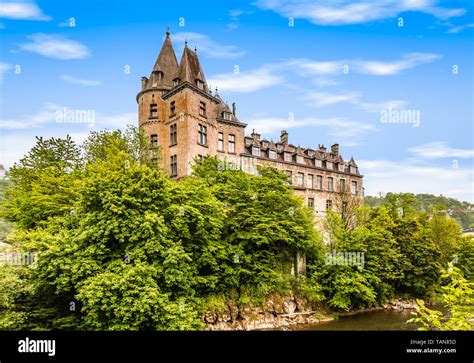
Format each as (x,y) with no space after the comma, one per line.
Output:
(179,112)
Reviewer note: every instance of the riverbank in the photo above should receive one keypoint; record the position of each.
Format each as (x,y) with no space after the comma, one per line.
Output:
(280,312)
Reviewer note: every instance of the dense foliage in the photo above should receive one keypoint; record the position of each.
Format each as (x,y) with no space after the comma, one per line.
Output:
(121,246)
(462,211)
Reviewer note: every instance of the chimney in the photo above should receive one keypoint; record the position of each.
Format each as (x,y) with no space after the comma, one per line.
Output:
(284,137)
(335,149)
(255,136)
(233,108)
(322,148)
(144,81)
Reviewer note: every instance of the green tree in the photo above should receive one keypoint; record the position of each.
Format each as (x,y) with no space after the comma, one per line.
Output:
(457,297)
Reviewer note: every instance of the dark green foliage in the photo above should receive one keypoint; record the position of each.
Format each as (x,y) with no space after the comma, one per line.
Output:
(131,249)
(461,211)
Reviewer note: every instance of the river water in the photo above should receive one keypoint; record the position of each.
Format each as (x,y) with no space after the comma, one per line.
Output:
(369,320)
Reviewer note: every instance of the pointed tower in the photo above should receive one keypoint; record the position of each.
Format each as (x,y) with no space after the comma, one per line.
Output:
(179,113)
(165,68)
(190,70)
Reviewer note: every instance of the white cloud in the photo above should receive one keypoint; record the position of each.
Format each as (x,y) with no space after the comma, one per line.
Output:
(83,82)
(389,68)
(307,67)
(4,67)
(385,105)
(383,176)
(440,149)
(337,126)
(55,46)
(209,47)
(52,113)
(458,29)
(234,17)
(21,11)
(318,99)
(249,81)
(344,12)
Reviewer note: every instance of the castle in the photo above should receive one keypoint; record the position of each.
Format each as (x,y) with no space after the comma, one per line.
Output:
(178,111)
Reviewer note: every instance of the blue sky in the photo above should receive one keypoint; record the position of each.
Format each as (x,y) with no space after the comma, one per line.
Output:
(327,71)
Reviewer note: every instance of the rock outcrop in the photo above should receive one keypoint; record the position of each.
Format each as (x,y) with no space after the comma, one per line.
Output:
(277,312)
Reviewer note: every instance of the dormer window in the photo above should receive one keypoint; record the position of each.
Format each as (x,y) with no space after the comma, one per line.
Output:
(159,75)
(200,84)
(329,165)
(288,157)
(153,110)
(341,168)
(353,170)
(226,115)
(299,159)
(175,82)
(272,154)
(255,151)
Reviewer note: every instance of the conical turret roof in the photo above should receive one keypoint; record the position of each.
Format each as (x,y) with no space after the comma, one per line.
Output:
(166,64)
(190,69)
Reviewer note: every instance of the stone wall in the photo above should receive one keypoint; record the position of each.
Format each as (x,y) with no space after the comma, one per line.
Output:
(277,312)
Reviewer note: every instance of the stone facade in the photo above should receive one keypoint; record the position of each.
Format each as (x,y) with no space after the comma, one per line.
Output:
(179,113)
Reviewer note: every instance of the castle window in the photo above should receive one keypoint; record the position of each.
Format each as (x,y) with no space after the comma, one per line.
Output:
(310,181)
(175,81)
(300,179)
(354,187)
(328,204)
(200,84)
(289,174)
(311,203)
(232,143)
(200,159)
(330,184)
(172,108)
(174,165)
(173,134)
(255,151)
(299,159)
(342,185)
(318,163)
(288,157)
(154,140)
(202,134)
(220,141)
(272,154)
(202,109)
(319,182)
(153,110)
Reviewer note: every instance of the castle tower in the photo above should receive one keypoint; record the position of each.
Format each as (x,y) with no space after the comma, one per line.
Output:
(179,113)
